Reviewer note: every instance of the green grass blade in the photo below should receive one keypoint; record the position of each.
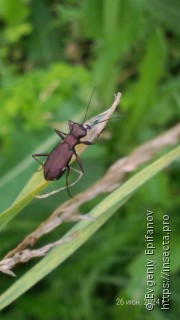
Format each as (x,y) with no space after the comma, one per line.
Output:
(84,229)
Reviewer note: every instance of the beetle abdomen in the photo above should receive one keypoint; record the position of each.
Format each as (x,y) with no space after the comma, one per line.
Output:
(57,161)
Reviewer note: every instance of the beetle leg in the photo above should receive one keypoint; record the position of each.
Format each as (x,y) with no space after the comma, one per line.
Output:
(60,133)
(67,175)
(39,155)
(78,161)
(88,143)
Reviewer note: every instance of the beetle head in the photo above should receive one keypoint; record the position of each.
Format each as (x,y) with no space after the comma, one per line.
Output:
(77,130)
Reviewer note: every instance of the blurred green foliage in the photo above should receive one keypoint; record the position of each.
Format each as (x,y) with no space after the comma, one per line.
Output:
(30,100)
(52,54)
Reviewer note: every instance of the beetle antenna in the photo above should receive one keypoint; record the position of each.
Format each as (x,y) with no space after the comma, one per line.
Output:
(89,104)
(104,121)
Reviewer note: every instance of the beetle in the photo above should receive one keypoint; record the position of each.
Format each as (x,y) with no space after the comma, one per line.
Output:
(58,159)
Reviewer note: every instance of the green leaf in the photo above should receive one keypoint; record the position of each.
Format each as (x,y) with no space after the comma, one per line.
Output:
(84,229)
(145,89)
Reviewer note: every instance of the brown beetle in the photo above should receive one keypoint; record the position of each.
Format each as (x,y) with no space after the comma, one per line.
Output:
(58,159)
